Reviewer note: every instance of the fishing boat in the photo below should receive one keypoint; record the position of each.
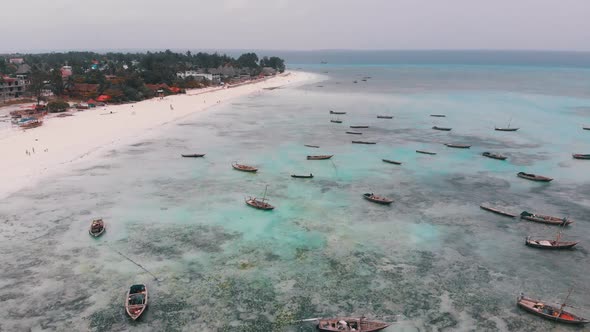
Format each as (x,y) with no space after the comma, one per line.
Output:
(533,177)
(312,146)
(354,133)
(497,211)
(244,168)
(377,199)
(392,161)
(136,301)
(259,204)
(384,117)
(441,128)
(30,123)
(438,115)
(310,176)
(586,128)
(581,156)
(336,121)
(97,228)
(196,155)
(550,312)
(363,142)
(359,127)
(333,112)
(507,128)
(494,156)
(320,157)
(544,219)
(360,324)
(556,244)
(425,152)
(458,146)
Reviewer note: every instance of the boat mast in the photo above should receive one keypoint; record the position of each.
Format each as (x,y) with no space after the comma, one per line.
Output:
(264,197)
(563,304)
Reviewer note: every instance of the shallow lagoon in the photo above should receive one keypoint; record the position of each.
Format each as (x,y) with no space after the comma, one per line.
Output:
(432,260)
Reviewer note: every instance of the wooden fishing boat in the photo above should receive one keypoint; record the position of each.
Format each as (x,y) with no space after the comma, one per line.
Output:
(31,123)
(359,127)
(425,152)
(438,115)
(320,157)
(312,146)
(392,161)
(193,155)
(494,156)
(505,129)
(244,168)
(310,176)
(384,117)
(544,219)
(363,142)
(360,324)
(377,199)
(581,156)
(259,204)
(458,146)
(550,312)
(332,112)
(136,301)
(97,228)
(354,133)
(497,211)
(336,121)
(549,244)
(441,128)
(533,177)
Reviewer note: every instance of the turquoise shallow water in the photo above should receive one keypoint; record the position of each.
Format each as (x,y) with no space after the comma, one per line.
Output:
(431,261)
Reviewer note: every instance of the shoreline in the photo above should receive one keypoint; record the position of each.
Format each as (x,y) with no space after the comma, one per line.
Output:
(31,155)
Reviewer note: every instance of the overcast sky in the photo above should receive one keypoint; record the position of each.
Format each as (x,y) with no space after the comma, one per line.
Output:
(35,25)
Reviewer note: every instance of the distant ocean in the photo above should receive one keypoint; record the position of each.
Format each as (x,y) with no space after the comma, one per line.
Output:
(433,260)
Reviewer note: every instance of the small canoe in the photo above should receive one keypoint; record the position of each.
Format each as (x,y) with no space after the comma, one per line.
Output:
(193,155)
(533,177)
(581,156)
(586,128)
(310,176)
(441,128)
(384,117)
(546,311)
(494,156)
(97,228)
(425,152)
(458,146)
(312,146)
(549,244)
(377,199)
(244,168)
(336,121)
(340,324)
(497,211)
(320,157)
(359,127)
(438,115)
(392,161)
(332,112)
(544,219)
(354,133)
(506,129)
(363,142)
(136,301)
(259,204)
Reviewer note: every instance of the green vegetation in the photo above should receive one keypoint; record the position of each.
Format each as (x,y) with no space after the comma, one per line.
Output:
(134,76)
(57,106)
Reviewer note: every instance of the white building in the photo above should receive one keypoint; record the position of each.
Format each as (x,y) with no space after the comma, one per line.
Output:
(195,74)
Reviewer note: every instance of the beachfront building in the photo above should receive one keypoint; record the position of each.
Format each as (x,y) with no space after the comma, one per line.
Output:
(11,88)
(16,61)
(199,76)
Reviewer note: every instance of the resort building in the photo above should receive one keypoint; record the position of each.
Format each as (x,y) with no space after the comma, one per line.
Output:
(199,75)
(11,88)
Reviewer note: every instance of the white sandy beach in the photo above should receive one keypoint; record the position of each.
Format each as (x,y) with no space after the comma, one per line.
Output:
(61,142)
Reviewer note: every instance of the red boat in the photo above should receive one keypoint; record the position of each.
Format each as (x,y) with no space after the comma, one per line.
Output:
(546,311)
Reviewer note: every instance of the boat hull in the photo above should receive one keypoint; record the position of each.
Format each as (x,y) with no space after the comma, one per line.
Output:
(458,146)
(363,142)
(384,117)
(135,311)
(506,129)
(353,133)
(359,324)
(244,168)
(382,200)
(497,211)
(319,157)
(302,176)
(548,221)
(533,177)
(192,155)
(441,128)
(549,244)
(493,156)
(252,202)
(359,127)
(392,161)
(581,156)
(565,317)
(426,152)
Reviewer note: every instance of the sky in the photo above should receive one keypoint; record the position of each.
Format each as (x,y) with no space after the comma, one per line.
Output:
(45,25)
